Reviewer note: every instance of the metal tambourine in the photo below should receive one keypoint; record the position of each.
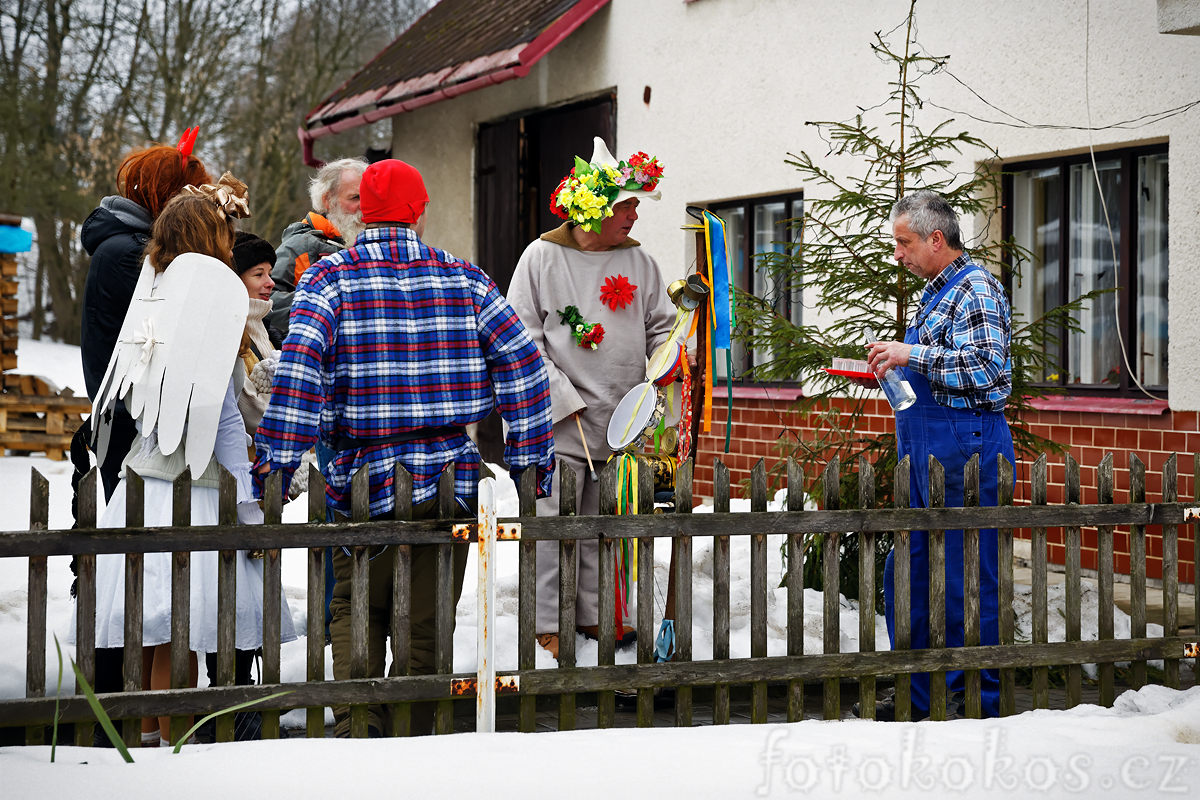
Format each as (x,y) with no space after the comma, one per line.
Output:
(636,417)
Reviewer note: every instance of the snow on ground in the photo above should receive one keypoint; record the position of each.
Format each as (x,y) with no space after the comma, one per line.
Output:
(1146,744)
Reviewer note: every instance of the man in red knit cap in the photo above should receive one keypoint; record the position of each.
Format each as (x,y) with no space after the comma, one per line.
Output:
(394,348)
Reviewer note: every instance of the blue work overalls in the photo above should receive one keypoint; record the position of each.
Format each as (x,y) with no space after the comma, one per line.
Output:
(952,435)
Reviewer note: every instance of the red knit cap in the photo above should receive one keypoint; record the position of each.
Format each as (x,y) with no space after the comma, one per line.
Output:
(392,191)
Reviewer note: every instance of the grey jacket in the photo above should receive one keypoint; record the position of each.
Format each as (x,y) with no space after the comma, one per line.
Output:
(304,243)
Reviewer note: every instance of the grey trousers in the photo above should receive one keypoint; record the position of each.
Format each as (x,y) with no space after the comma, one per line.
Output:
(587,502)
(422,625)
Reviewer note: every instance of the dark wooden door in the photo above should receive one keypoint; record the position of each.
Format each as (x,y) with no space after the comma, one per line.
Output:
(555,138)
(518,163)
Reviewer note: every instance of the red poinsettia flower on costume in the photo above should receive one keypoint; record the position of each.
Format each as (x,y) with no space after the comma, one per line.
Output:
(617,292)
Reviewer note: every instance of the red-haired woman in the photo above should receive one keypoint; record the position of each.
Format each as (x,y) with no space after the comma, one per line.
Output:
(115,236)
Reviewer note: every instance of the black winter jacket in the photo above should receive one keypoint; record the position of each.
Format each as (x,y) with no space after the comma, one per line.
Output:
(115,236)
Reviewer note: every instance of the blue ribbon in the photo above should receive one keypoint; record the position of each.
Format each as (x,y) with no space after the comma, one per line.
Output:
(715,228)
(664,645)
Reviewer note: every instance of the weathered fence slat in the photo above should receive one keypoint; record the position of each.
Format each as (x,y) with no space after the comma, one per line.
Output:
(831,611)
(866,587)
(400,714)
(485,607)
(902,595)
(35,603)
(606,650)
(721,708)
(645,591)
(135,577)
(1137,566)
(181,605)
(1008,676)
(226,599)
(1074,583)
(1170,568)
(314,716)
(795,592)
(682,545)
(360,565)
(568,589)
(1104,562)
(85,602)
(272,591)
(527,589)
(971,594)
(937,590)
(444,599)
(758,591)
(1041,675)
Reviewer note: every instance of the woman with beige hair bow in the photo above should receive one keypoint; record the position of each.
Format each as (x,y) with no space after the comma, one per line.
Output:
(176,369)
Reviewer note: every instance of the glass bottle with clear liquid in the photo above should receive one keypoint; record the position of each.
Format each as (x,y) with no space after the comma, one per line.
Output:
(896,389)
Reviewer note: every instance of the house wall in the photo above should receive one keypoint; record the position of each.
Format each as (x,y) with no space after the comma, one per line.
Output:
(733,83)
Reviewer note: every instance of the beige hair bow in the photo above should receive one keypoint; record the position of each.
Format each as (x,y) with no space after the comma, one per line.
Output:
(229,194)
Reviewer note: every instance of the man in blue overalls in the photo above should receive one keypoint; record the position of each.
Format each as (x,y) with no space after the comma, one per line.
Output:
(955,355)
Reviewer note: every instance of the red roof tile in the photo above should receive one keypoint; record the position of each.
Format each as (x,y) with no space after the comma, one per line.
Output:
(456,46)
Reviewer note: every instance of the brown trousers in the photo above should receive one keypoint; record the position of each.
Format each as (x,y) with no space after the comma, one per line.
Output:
(379,615)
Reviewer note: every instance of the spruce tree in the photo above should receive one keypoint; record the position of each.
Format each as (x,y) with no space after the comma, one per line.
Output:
(840,258)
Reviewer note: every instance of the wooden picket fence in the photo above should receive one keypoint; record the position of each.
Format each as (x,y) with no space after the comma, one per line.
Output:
(828,669)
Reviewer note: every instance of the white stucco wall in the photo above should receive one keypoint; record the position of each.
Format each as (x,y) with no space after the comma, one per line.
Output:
(734,81)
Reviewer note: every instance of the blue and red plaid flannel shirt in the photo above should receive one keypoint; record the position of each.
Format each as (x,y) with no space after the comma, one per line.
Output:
(391,336)
(963,349)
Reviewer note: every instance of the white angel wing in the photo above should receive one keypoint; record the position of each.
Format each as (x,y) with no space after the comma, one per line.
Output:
(176,352)
(125,354)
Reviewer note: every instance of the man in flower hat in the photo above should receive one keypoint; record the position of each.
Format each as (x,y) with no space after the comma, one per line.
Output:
(596,306)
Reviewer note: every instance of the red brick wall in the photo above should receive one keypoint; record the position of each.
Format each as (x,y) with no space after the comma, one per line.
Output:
(758,424)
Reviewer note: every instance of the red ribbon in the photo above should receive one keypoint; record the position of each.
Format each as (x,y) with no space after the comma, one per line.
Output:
(186,142)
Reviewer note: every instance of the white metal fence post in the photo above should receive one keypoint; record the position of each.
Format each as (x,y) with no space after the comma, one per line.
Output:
(485,676)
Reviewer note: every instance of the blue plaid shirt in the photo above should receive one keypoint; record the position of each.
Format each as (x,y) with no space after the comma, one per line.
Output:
(391,336)
(963,341)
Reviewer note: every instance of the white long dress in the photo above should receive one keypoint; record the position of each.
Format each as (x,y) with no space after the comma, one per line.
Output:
(231,453)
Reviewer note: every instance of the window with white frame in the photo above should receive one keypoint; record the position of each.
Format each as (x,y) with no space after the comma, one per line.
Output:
(753,227)
(1056,209)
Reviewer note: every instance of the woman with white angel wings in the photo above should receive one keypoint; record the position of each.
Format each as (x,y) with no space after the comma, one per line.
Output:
(176,368)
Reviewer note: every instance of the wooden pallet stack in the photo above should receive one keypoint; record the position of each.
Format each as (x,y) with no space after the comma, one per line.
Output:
(36,419)
(34,416)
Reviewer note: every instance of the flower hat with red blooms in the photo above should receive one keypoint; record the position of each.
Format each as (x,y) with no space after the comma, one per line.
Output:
(587,195)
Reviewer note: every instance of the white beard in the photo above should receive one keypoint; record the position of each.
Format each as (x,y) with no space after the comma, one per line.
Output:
(349,225)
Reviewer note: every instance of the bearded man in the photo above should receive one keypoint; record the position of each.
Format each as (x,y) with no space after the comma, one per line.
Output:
(332,225)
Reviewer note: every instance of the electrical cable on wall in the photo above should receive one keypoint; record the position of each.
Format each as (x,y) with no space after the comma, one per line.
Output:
(1143,120)
(1117,289)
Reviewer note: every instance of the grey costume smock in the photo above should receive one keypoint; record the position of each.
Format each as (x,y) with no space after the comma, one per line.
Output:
(554,273)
